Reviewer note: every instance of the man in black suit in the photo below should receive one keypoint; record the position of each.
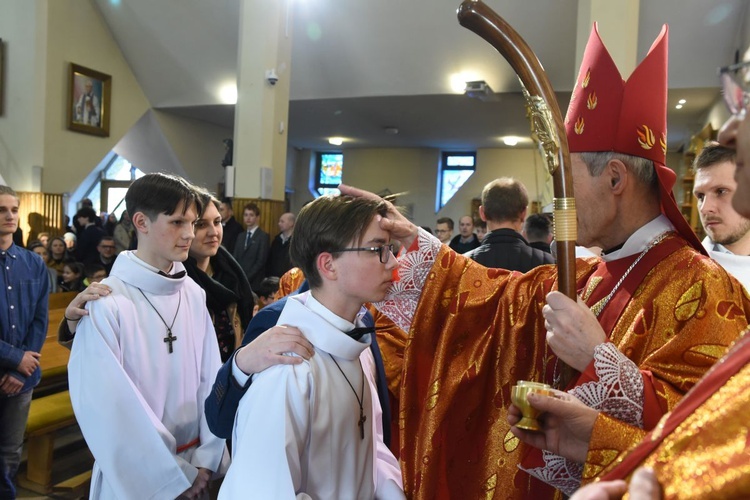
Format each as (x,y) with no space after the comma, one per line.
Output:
(251,248)
(232,228)
(278,260)
(504,203)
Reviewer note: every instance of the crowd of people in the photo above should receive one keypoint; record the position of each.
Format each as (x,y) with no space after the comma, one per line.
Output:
(377,376)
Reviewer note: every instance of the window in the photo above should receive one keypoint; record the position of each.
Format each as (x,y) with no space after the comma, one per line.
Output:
(328,170)
(455,169)
(110,183)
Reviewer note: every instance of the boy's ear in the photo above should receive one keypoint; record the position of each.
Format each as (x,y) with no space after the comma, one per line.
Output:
(326,266)
(140,222)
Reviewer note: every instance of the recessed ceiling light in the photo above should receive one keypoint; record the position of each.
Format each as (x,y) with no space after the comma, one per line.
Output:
(681,101)
(510,140)
(679,106)
(336,141)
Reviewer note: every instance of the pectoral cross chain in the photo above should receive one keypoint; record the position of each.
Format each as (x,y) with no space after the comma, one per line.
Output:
(361,423)
(169,339)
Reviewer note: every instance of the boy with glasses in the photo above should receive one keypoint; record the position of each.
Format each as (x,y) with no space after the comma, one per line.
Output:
(314,428)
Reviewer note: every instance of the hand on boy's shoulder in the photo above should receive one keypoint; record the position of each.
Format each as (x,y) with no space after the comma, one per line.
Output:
(271,348)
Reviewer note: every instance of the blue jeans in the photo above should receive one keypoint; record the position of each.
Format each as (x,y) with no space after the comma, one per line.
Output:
(14,411)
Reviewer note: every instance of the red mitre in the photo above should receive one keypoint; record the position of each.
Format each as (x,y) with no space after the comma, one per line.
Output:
(607,113)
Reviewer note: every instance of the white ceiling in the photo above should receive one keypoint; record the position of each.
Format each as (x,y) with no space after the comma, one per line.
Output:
(359,66)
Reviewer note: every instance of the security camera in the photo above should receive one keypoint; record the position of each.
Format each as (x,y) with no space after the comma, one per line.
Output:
(272,77)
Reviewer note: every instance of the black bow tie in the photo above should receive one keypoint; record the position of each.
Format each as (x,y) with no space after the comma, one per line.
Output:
(357,333)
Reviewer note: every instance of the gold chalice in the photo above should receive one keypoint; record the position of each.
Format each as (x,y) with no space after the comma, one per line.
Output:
(518,395)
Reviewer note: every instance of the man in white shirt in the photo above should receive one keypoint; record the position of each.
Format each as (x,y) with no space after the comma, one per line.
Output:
(728,233)
(314,430)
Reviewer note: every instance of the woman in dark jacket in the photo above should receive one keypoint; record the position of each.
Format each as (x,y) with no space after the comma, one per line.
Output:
(228,295)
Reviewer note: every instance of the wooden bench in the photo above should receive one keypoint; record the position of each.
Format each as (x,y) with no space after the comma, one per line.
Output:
(51,410)
(46,416)
(54,360)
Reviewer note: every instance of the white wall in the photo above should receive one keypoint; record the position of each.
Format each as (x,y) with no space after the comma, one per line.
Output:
(76,33)
(23,30)
(198,147)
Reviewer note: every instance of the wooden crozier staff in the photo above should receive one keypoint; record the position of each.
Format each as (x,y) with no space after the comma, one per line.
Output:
(547,128)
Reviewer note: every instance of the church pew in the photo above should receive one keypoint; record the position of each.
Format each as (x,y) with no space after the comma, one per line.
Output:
(51,410)
(54,360)
(48,415)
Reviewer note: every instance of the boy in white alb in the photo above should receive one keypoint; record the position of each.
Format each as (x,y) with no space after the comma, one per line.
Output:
(145,357)
(313,430)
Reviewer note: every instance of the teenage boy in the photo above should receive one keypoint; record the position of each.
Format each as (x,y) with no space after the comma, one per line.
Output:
(145,357)
(313,430)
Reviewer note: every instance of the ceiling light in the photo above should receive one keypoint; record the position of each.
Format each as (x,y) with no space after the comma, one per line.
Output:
(679,106)
(336,141)
(458,81)
(478,89)
(681,101)
(228,93)
(510,140)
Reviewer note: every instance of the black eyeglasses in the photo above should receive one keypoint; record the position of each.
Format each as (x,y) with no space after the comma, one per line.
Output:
(735,80)
(384,252)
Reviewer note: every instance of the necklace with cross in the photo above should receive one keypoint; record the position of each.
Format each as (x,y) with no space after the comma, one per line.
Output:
(169,339)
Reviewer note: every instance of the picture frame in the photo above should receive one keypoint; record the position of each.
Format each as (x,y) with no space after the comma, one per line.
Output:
(89,98)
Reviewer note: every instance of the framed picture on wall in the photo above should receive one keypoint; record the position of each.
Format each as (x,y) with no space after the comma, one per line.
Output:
(89,98)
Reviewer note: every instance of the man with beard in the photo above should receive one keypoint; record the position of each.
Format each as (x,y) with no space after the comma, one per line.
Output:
(728,233)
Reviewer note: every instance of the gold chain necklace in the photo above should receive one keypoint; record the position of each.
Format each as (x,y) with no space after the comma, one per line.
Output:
(599,306)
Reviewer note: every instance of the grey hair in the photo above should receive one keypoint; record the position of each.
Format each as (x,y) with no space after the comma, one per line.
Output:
(643,169)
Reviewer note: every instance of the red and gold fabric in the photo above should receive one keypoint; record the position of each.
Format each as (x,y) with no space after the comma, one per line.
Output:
(476,331)
(609,114)
(290,281)
(699,450)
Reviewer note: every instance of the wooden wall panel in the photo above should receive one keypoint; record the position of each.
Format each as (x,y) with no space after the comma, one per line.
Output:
(270,211)
(40,212)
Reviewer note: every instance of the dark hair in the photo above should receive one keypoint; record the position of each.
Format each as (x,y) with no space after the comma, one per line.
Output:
(252,207)
(91,269)
(76,267)
(446,220)
(712,154)
(159,193)
(87,212)
(480,223)
(35,244)
(268,286)
(537,227)
(504,199)
(330,223)
(206,197)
